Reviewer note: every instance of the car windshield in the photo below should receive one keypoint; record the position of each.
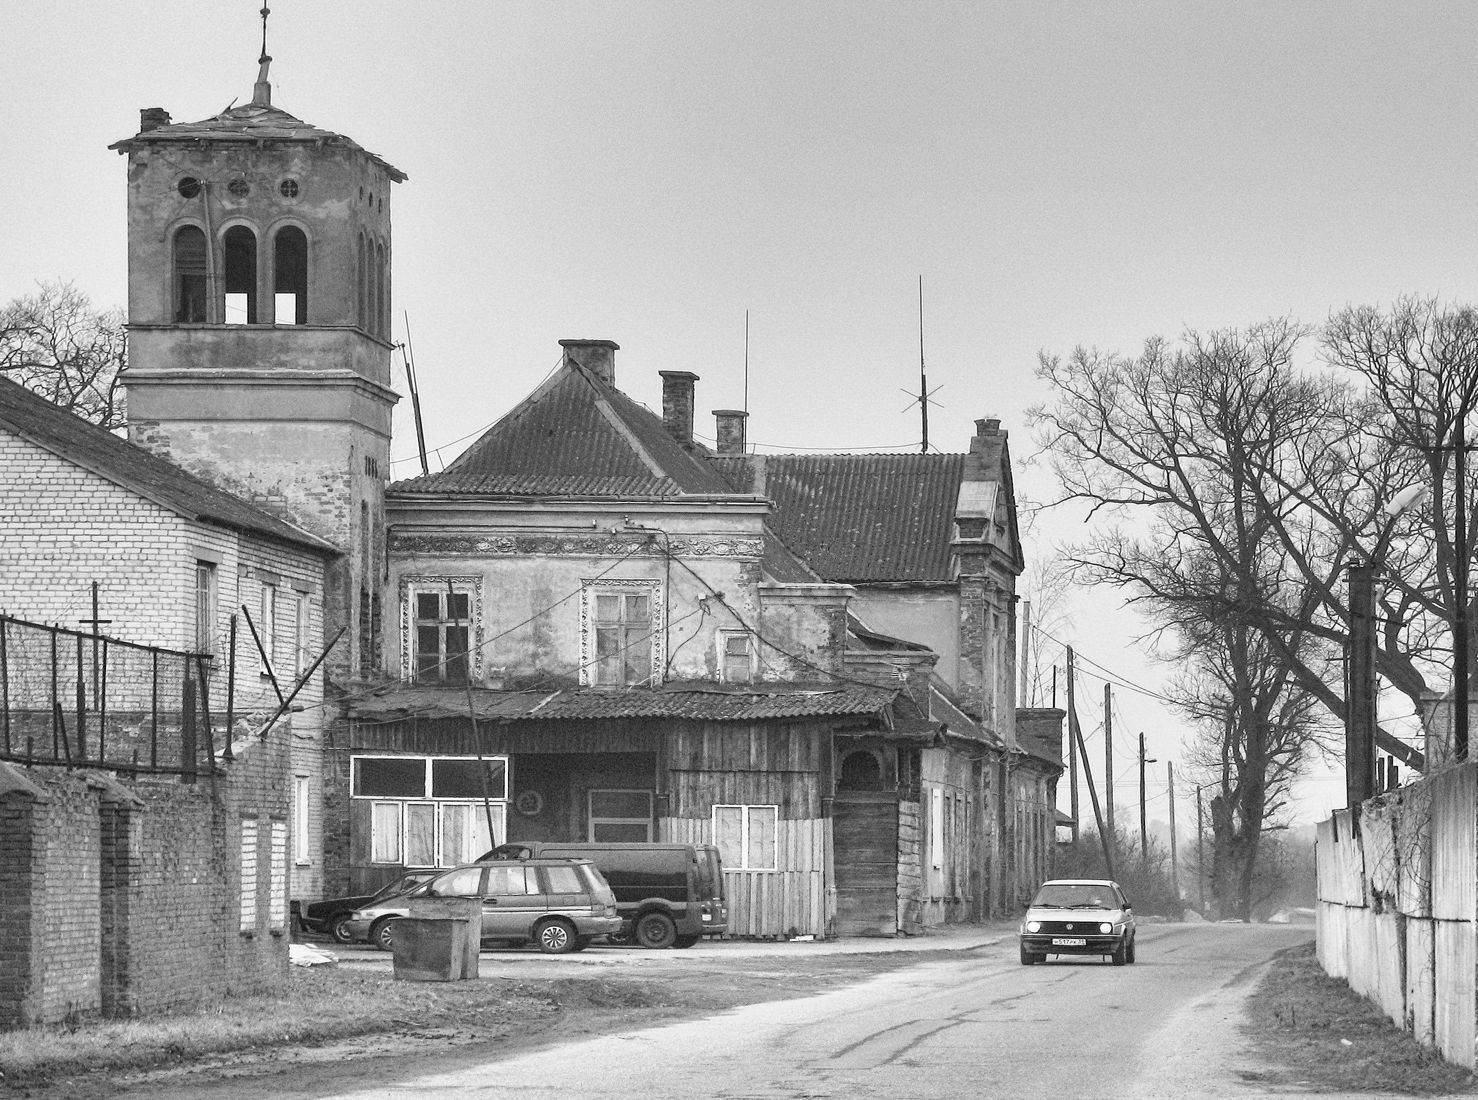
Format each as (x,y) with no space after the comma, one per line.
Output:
(399,886)
(1075,895)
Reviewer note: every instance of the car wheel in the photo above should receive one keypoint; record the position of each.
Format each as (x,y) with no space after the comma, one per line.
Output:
(1028,957)
(686,941)
(555,937)
(381,935)
(338,929)
(1121,953)
(655,930)
(1129,952)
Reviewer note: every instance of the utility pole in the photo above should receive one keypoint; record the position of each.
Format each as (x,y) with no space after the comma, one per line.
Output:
(1174,854)
(1360,688)
(1144,843)
(1201,848)
(1072,746)
(1108,765)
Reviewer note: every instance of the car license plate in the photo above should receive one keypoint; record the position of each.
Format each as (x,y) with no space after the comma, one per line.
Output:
(1070,942)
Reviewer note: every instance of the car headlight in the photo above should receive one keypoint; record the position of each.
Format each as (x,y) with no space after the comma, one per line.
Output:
(1033,926)
(1105,927)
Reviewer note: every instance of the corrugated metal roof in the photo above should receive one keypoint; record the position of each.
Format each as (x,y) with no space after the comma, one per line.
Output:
(578,435)
(251,122)
(92,448)
(705,702)
(858,518)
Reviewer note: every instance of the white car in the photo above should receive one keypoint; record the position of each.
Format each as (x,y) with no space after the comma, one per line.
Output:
(1078,916)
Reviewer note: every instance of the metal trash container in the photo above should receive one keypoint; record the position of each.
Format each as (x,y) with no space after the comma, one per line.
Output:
(439,941)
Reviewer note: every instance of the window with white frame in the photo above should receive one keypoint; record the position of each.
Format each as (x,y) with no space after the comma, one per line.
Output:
(936,829)
(429,811)
(206,589)
(267,625)
(620,817)
(302,635)
(736,656)
(439,633)
(301,794)
(620,640)
(746,836)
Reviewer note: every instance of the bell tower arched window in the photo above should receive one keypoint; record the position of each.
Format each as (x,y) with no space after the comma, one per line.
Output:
(189,275)
(382,293)
(241,276)
(290,276)
(361,289)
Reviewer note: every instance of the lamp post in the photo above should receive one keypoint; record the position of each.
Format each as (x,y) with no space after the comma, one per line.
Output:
(1361,687)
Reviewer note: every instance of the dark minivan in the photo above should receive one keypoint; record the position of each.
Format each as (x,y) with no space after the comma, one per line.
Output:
(668,895)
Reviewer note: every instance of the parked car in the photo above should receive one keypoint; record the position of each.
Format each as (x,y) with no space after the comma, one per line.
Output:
(331,916)
(1078,917)
(559,904)
(668,895)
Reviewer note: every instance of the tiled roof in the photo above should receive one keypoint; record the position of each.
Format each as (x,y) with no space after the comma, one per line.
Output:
(859,518)
(575,435)
(251,122)
(72,438)
(700,701)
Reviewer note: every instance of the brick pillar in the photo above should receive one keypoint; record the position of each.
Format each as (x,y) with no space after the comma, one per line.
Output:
(122,863)
(22,867)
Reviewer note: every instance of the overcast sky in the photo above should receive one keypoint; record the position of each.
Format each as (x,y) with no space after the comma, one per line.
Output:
(1057,174)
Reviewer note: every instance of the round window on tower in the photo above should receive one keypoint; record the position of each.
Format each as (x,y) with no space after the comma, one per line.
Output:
(188,187)
(239,187)
(288,188)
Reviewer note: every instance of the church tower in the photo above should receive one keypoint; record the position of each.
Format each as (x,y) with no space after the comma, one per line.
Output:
(259,328)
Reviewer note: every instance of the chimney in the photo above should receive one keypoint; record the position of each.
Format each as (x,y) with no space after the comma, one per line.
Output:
(677,403)
(596,356)
(152,118)
(730,430)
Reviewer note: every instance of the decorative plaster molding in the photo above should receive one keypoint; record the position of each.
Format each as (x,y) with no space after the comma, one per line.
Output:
(599,546)
(657,605)
(439,583)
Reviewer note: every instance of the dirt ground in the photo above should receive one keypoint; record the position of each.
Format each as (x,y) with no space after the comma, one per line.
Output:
(445,1026)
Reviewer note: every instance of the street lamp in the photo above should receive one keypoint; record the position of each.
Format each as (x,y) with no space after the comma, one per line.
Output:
(1360,691)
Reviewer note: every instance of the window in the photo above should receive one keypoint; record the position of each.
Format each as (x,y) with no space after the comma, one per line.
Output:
(361,289)
(302,634)
(267,626)
(205,606)
(861,772)
(301,807)
(189,275)
(736,652)
(241,276)
(428,811)
(515,879)
(442,620)
(382,293)
(745,836)
(290,275)
(248,894)
(620,643)
(621,817)
(936,829)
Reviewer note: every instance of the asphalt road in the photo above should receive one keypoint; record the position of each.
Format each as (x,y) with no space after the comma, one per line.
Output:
(976,1024)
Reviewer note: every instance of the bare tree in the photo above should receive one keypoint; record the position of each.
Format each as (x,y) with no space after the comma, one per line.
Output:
(58,345)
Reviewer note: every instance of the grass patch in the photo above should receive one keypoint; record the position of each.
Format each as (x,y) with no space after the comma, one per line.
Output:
(1320,1033)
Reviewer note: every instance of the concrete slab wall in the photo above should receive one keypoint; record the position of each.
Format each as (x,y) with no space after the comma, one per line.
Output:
(1398,906)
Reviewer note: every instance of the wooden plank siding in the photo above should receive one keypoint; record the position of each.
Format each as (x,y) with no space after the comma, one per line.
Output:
(866,829)
(791,901)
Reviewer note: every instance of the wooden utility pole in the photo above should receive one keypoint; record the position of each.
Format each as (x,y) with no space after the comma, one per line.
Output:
(1174,852)
(1108,762)
(1077,734)
(1072,745)
(1201,848)
(1144,842)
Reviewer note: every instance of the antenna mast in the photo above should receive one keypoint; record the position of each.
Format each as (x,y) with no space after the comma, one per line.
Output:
(410,378)
(746,360)
(923,378)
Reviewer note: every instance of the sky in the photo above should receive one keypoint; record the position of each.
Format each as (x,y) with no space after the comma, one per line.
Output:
(712,185)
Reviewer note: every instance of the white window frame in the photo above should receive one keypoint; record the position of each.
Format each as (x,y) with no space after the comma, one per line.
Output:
(302,795)
(388,844)
(746,817)
(592,820)
(656,637)
(267,626)
(302,632)
(207,602)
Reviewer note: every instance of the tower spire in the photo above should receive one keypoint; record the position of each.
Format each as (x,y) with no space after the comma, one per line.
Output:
(262,93)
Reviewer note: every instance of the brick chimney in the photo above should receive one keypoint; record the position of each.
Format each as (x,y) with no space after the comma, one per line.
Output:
(677,403)
(152,118)
(730,430)
(596,356)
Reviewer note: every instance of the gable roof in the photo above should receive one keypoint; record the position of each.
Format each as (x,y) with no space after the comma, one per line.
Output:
(69,437)
(251,122)
(858,518)
(576,435)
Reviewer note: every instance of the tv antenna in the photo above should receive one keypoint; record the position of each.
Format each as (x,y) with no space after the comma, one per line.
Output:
(925,397)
